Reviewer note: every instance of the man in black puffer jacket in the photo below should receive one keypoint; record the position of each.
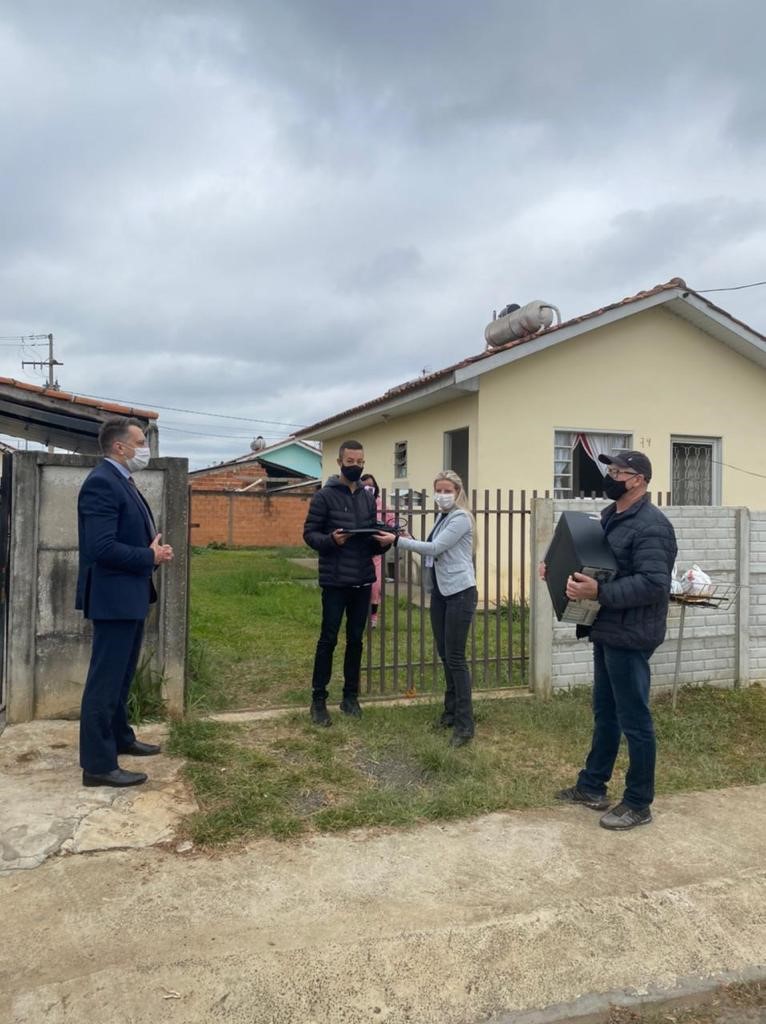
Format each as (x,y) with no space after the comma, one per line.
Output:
(346,574)
(628,628)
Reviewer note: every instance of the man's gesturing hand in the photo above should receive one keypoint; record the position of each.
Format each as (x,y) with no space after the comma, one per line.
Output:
(162,552)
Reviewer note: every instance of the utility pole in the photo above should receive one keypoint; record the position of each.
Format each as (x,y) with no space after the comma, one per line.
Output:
(50,362)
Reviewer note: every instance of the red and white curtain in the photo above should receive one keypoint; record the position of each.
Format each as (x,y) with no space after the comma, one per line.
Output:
(593,444)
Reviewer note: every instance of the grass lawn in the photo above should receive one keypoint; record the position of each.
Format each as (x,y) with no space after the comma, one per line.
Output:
(284,777)
(254,623)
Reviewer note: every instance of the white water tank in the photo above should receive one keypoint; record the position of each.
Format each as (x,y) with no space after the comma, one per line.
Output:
(535,316)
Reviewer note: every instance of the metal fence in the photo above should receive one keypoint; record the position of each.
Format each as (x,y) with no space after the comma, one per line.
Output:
(401,656)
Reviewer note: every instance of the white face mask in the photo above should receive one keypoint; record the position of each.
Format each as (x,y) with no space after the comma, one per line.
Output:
(444,500)
(139,461)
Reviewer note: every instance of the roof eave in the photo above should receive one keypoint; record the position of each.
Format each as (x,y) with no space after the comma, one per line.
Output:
(434,393)
(708,318)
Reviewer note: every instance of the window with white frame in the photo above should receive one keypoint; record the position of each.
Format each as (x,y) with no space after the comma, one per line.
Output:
(695,470)
(576,469)
(400,460)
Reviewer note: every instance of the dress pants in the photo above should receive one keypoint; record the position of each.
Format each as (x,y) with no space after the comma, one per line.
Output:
(104,728)
(451,620)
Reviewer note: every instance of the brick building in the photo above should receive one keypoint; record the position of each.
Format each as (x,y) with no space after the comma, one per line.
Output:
(258,500)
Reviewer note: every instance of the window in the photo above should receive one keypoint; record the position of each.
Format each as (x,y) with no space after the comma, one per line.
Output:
(400,460)
(576,469)
(456,453)
(695,470)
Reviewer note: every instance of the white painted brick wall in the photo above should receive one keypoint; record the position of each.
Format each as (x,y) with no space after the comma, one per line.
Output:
(708,537)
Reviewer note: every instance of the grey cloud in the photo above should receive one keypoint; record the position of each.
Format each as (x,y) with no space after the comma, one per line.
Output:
(387,267)
(233,207)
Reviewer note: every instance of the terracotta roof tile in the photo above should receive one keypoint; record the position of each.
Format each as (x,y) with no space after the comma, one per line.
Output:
(93,403)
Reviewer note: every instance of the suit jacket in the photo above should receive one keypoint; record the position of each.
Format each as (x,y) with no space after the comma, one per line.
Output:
(116,562)
(451,547)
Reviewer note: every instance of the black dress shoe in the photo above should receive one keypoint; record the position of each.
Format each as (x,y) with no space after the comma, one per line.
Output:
(117,777)
(139,749)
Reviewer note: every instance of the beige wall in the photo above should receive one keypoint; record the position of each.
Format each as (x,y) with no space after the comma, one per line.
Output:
(652,375)
(424,434)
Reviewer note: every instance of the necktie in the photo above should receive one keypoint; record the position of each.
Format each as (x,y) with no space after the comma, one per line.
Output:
(144,505)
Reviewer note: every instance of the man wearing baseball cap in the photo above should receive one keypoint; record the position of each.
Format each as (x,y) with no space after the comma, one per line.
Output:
(628,628)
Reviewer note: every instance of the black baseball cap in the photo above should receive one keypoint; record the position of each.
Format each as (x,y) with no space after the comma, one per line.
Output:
(635,461)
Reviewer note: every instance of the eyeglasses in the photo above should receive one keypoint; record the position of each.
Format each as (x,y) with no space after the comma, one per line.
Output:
(616,471)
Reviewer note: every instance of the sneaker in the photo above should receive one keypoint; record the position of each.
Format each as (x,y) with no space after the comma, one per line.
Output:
(319,714)
(575,795)
(623,817)
(350,706)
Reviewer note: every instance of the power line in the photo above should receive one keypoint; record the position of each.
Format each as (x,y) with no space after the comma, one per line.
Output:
(739,469)
(734,288)
(193,412)
(204,433)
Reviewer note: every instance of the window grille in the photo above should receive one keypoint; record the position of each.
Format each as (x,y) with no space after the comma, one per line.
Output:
(400,460)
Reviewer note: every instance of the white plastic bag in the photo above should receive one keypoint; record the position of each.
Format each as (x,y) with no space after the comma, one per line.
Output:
(675,584)
(696,583)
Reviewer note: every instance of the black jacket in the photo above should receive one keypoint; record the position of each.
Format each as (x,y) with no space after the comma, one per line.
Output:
(634,605)
(336,507)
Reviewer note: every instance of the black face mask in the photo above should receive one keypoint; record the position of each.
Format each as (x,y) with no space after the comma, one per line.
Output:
(614,489)
(352,473)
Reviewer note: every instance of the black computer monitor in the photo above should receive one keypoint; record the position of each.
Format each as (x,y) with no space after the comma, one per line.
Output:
(578,545)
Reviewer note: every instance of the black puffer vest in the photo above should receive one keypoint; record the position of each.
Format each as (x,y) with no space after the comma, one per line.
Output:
(336,507)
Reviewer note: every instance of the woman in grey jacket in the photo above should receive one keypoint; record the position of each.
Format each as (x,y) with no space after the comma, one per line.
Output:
(450,579)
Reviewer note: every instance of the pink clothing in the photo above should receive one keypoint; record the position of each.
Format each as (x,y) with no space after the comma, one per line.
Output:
(377,560)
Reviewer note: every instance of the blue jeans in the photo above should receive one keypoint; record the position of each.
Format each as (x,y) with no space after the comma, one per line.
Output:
(451,620)
(355,603)
(621,680)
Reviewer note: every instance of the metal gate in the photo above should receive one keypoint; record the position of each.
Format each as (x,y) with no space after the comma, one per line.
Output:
(401,657)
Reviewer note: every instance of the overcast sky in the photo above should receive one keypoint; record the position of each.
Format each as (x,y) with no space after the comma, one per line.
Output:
(276,210)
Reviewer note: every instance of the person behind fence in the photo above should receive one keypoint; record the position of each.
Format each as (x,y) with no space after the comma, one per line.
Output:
(450,580)
(370,484)
(346,575)
(628,628)
(120,549)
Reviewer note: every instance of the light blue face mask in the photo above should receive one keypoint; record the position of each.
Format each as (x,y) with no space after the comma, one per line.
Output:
(445,501)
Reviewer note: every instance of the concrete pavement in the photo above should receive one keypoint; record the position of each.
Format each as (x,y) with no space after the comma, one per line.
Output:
(498,918)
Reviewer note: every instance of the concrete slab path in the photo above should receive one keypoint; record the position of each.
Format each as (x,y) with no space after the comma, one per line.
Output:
(517,916)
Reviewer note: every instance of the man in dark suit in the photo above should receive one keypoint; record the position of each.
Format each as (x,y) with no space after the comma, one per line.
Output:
(120,549)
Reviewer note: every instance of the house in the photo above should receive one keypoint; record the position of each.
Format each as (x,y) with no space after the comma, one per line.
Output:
(665,371)
(256,500)
(274,467)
